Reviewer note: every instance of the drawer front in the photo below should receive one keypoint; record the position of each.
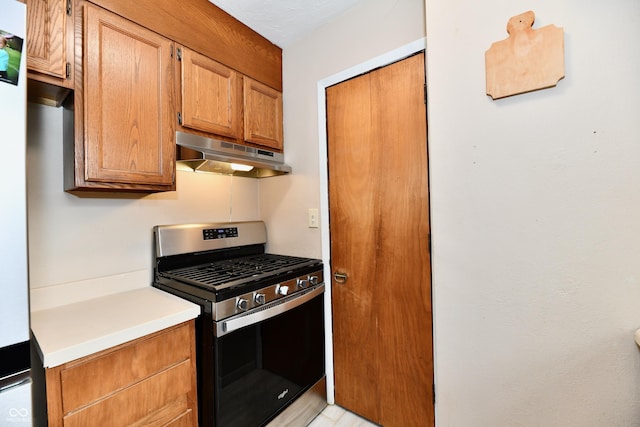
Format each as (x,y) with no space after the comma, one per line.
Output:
(98,376)
(158,400)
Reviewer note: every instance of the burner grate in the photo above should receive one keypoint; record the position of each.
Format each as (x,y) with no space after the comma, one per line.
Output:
(237,269)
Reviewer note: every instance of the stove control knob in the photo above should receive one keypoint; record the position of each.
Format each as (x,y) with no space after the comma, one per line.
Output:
(259,299)
(313,280)
(242,304)
(302,283)
(282,290)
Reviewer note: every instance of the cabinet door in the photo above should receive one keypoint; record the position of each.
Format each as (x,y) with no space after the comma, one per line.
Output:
(47,37)
(262,114)
(128,81)
(210,95)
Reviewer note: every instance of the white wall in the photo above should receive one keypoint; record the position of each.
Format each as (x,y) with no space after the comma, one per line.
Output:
(536,238)
(77,239)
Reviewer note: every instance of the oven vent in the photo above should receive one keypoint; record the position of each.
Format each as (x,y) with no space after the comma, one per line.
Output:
(201,154)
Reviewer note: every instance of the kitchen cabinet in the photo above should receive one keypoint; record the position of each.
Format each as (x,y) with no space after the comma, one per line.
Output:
(120,121)
(148,381)
(123,108)
(50,49)
(218,100)
(211,95)
(208,30)
(262,114)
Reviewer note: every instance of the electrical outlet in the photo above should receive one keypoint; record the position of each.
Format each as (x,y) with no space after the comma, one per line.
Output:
(313,219)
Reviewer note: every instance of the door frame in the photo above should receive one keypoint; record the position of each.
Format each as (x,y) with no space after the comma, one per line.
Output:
(369,65)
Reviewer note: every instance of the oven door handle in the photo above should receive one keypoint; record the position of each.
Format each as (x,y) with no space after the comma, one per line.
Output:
(233,324)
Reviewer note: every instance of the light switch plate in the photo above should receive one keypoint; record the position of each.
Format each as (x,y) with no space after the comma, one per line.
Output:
(313,219)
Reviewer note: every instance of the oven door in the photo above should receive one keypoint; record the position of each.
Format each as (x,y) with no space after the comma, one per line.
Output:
(262,367)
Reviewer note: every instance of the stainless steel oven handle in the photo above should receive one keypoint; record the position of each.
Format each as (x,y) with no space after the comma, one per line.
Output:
(227,326)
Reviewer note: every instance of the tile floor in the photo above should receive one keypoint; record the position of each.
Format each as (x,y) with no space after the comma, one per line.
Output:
(335,416)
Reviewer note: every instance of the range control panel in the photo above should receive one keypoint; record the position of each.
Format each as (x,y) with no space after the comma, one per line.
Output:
(219,233)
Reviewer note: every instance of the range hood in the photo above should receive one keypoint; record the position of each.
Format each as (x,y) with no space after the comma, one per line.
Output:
(202,154)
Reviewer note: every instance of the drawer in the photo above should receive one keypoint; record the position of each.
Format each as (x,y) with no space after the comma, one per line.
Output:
(97,376)
(158,400)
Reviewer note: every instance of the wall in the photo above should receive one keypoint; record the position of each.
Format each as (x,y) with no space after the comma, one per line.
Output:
(89,241)
(536,238)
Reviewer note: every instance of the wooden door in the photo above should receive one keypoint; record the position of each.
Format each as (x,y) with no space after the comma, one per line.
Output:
(129,127)
(379,224)
(211,95)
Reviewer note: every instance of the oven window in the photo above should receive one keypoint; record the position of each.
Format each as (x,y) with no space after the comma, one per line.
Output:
(262,368)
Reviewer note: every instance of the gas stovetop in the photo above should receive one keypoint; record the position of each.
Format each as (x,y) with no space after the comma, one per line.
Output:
(224,267)
(233,272)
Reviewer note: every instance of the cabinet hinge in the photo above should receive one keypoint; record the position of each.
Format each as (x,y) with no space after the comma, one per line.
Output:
(69,5)
(425,93)
(434,392)
(429,242)
(68,70)
(180,118)
(179,54)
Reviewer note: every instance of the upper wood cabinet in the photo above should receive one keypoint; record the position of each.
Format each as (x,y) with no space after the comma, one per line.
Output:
(220,101)
(50,38)
(124,111)
(211,95)
(50,50)
(262,114)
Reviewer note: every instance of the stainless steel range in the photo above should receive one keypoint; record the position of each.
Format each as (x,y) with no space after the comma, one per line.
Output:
(260,335)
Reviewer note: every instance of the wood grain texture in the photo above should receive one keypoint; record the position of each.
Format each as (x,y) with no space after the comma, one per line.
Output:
(95,377)
(128,82)
(206,29)
(46,36)
(83,121)
(262,115)
(352,167)
(76,125)
(379,219)
(138,401)
(148,381)
(131,160)
(211,95)
(527,60)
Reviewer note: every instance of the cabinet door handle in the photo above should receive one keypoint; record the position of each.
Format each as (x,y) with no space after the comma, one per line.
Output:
(340,277)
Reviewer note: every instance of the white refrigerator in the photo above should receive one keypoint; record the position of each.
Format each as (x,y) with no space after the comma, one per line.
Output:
(15,373)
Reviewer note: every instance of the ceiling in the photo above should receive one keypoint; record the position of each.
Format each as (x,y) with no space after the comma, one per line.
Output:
(282,22)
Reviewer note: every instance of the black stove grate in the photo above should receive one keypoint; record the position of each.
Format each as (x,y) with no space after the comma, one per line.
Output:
(237,269)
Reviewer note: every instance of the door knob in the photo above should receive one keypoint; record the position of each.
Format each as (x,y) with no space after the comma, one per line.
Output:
(340,277)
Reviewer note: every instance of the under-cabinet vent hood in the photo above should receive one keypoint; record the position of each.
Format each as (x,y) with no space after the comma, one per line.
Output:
(203,154)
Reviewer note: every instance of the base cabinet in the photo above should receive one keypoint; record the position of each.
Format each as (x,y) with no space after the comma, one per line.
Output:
(149,381)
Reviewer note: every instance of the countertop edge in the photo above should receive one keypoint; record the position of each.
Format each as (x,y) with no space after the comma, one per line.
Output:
(70,332)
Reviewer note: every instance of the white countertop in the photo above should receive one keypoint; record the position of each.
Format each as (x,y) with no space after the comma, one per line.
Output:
(68,332)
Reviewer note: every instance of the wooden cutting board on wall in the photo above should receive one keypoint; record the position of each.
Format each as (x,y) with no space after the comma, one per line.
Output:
(525,61)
